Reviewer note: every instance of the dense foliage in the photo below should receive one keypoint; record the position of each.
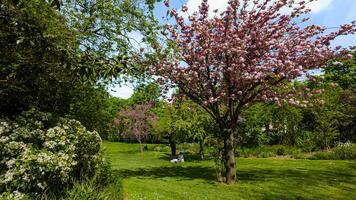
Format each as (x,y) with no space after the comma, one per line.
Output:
(36,51)
(329,118)
(58,61)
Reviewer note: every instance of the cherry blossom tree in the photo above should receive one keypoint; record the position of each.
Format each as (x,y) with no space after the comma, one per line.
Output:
(241,55)
(137,121)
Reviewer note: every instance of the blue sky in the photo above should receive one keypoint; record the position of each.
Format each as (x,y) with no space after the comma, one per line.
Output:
(329,13)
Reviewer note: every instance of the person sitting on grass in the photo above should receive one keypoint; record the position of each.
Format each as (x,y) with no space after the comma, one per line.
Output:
(179,159)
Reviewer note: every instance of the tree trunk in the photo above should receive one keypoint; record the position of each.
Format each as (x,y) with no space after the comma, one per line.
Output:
(173,146)
(201,149)
(141,147)
(229,156)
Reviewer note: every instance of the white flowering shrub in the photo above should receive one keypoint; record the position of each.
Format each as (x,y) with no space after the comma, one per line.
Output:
(15,195)
(34,158)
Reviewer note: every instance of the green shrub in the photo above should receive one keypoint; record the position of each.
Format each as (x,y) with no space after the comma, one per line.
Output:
(281,151)
(299,156)
(346,151)
(85,190)
(157,148)
(162,148)
(323,155)
(113,136)
(105,184)
(34,159)
(266,154)
(266,151)
(90,189)
(306,142)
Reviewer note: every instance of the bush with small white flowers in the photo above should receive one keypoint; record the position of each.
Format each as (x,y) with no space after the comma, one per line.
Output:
(35,158)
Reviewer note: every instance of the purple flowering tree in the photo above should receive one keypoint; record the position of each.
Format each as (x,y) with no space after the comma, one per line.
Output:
(137,121)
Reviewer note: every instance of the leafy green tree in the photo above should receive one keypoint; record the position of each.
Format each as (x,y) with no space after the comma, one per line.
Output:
(286,122)
(144,93)
(183,121)
(327,115)
(348,127)
(343,73)
(195,122)
(267,124)
(166,125)
(35,51)
(57,61)
(95,109)
(105,30)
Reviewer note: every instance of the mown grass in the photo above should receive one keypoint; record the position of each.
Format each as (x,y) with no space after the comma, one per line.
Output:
(150,175)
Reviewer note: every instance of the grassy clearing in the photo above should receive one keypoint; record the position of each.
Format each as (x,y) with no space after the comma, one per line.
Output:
(150,175)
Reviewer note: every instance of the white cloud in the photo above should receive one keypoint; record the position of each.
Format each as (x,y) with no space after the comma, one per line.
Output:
(193,5)
(315,6)
(319,5)
(122,91)
(221,5)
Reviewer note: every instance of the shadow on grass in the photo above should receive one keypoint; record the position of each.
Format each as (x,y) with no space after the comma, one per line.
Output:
(281,177)
(297,183)
(179,172)
(305,176)
(352,166)
(130,151)
(187,157)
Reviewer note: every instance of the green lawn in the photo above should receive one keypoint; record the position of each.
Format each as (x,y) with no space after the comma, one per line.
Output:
(150,175)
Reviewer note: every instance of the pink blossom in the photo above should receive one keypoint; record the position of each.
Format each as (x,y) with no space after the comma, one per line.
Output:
(337,63)
(184,8)
(244,54)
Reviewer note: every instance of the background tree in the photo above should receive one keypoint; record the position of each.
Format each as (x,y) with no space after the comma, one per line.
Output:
(166,127)
(256,128)
(95,109)
(183,121)
(227,62)
(286,124)
(268,124)
(195,123)
(348,127)
(343,73)
(145,93)
(138,121)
